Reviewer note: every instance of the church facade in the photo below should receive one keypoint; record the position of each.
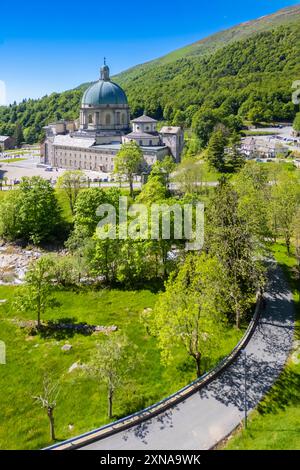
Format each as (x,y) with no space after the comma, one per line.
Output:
(104,125)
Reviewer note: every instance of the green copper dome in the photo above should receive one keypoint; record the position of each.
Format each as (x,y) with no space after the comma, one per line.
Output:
(104,91)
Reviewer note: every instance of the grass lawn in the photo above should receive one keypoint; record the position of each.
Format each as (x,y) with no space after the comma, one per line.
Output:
(64,205)
(12,160)
(82,403)
(276,422)
(259,133)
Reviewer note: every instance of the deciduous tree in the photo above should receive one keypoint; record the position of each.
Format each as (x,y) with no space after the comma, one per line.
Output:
(127,162)
(189,313)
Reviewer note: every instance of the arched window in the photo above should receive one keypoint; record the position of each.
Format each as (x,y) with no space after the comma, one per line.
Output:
(123,119)
(90,119)
(107,120)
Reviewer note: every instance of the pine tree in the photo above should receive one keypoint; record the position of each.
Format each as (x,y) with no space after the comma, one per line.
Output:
(18,135)
(235,159)
(216,150)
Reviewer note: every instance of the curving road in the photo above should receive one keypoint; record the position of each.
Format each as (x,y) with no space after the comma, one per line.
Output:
(209,415)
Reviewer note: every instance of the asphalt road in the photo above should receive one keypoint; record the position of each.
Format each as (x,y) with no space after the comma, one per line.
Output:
(209,415)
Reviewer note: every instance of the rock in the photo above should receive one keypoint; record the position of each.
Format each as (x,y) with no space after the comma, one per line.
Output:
(2,301)
(104,329)
(71,427)
(99,328)
(73,367)
(66,347)
(147,310)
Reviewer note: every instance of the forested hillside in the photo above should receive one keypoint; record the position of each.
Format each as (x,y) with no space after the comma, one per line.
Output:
(248,79)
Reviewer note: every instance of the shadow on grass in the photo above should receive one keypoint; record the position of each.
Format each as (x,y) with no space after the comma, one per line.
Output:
(285,392)
(65,328)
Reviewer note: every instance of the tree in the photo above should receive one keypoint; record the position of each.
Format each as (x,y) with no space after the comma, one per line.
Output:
(190,175)
(9,221)
(254,191)
(256,114)
(87,202)
(71,183)
(296,123)
(127,162)
(38,211)
(153,191)
(203,125)
(36,294)
(234,160)
(229,239)
(86,206)
(110,364)
(163,169)
(105,258)
(215,152)
(286,198)
(18,135)
(189,313)
(30,135)
(65,269)
(48,401)
(179,119)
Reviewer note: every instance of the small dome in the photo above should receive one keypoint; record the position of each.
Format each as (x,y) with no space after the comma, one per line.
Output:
(104,91)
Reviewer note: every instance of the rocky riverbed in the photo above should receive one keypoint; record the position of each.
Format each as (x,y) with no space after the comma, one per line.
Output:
(14,262)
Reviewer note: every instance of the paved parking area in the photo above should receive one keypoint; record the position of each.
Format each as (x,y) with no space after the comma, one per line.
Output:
(29,167)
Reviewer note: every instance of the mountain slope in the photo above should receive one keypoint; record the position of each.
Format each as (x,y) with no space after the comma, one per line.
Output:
(290,15)
(241,73)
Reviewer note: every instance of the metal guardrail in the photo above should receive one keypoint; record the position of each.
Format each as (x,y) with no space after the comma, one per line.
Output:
(165,404)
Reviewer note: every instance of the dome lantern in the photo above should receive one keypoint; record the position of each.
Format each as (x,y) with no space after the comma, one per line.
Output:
(104,92)
(104,72)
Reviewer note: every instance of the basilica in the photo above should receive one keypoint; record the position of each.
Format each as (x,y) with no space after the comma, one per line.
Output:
(92,142)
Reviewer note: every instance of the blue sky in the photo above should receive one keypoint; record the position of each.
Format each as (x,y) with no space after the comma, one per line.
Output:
(54,46)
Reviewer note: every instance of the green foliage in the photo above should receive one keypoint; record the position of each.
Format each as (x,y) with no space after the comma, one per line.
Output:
(18,134)
(128,161)
(254,191)
(36,294)
(86,206)
(190,175)
(215,153)
(153,191)
(296,124)
(30,212)
(286,201)
(111,363)
(237,81)
(33,115)
(71,182)
(229,238)
(9,223)
(189,313)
